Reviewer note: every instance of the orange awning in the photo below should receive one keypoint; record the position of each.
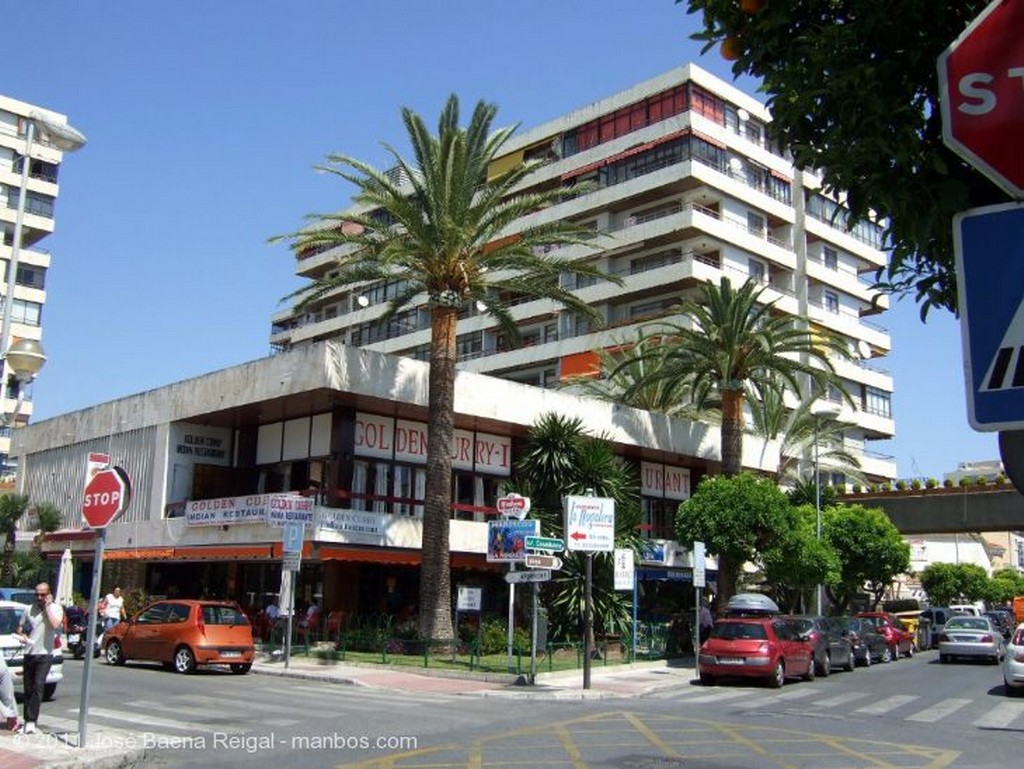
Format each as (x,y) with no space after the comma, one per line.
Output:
(140,554)
(372,555)
(223,552)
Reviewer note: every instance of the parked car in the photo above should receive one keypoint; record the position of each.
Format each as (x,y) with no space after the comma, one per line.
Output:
(967,636)
(769,648)
(868,645)
(25,595)
(967,609)
(1013,663)
(899,640)
(12,649)
(831,647)
(183,634)
(1003,621)
(937,615)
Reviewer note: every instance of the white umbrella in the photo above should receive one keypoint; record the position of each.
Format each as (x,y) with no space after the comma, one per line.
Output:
(65,580)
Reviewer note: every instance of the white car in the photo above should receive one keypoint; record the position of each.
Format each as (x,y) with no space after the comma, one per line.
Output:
(11,648)
(1013,663)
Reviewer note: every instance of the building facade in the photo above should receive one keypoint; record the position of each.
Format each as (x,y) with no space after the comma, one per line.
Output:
(685,187)
(41,190)
(335,436)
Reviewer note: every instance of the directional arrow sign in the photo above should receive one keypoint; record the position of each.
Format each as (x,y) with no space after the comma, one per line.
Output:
(543,562)
(590,524)
(533,575)
(545,543)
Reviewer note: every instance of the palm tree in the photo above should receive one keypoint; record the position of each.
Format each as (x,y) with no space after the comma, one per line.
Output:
(12,508)
(448,236)
(733,345)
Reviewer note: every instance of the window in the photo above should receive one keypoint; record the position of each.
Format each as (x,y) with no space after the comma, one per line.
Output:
(756,271)
(755,224)
(29,313)
(829,258)
(831,302)
(658,518)
(410,484)
(877,402)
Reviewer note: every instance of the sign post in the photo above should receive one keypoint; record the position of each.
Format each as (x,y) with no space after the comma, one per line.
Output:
(699,581)
(107,494)
(625,579)
(291,562)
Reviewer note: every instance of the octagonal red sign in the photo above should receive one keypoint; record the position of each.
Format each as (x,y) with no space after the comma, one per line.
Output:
(981,79)
(106,496)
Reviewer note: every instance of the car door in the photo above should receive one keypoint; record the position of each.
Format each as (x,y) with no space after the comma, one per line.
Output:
(171,629)
(799,654)
(141,638)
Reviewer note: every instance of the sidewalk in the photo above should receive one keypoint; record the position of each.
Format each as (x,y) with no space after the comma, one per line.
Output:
(55,745)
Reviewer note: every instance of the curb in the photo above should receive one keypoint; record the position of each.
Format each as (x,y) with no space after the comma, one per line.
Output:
(121,761)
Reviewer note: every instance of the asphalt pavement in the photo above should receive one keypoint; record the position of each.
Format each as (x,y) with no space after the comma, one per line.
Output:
(56,742)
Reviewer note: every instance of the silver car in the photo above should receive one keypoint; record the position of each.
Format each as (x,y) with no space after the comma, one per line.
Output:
(1013,663)
(971,637)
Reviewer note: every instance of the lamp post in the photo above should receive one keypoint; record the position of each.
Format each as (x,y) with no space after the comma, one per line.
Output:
(820,410)
(25,357)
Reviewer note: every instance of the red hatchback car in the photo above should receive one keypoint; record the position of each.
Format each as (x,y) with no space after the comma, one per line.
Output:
(769,648)
(898,638)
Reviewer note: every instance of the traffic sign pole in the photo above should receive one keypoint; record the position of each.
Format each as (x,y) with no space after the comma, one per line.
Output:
(90,635)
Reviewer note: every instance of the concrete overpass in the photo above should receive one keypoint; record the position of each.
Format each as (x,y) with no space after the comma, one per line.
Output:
(998,507)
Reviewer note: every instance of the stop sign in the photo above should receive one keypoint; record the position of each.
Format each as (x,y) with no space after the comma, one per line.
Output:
(981,79)
(106,495)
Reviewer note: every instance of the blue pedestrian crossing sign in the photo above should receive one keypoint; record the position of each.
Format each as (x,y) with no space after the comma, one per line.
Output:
(989,250)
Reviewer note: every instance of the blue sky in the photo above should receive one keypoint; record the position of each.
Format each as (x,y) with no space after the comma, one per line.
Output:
(204,122)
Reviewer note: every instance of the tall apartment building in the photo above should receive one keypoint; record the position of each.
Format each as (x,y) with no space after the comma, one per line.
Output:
(40,193)
(686,188)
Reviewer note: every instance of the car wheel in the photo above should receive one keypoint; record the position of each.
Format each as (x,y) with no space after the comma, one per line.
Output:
(886,655)
(706,679)
(851,662)
(779,676)
(824,666)
(241,668)
(184,660)
(910,651)
(943,658)
(894,653)
(811,672)
(78,654)
(115,655)
(49,690)
(1010,691)
(867,658)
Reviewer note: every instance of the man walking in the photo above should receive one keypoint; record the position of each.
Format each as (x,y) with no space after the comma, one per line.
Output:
(37,630)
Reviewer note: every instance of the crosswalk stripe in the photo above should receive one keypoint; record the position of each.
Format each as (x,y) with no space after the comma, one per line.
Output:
(939,710)
(1001,715)
(782,699)
(218,704)
(840,699)
(722,695)
(202,711)
(887,705)
(139,719)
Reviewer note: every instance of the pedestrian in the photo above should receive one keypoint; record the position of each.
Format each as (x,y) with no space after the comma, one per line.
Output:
(707,621)
(37,630)
(113,609)
(8,706)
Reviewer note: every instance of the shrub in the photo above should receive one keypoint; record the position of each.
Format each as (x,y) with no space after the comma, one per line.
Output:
(901,485)
(931,483)
(856,488)
(981,480)
(948,483)
(915,484)
(1001,478)
(885,486)
(965,480)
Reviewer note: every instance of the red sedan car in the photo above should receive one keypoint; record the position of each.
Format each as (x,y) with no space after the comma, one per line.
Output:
(770,648)
(899,639)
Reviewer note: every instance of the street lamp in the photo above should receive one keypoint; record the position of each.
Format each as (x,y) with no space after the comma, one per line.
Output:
(25,357)
(820,410)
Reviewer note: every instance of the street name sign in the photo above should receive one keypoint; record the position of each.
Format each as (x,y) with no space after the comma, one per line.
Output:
(545,543)
(989,249)
(543,562)
(590,524)
(532,575)
(981,88)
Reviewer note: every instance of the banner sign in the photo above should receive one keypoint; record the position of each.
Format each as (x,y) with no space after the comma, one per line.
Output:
(254,508)
(350,522)
(506,540)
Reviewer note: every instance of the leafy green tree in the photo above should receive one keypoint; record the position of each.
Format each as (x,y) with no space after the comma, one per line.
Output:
(1005,584)
(737,517)
(870,550)
(730,344)
(12,508)
(947,583)
(449,236)
(853,89)
(560,458)
(49,518)
(796,561)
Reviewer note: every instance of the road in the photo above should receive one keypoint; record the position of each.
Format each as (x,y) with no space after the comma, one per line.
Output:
(913,713)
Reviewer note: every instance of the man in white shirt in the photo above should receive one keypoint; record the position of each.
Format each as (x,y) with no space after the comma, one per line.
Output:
(113,611)
(36,630)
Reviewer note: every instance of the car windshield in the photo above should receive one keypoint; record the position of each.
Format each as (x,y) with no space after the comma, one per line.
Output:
(223,615)
(803,625)
(967,623)
(732,631)
(9,620)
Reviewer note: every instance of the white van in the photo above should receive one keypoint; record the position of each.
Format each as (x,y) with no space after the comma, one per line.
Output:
(968,609)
